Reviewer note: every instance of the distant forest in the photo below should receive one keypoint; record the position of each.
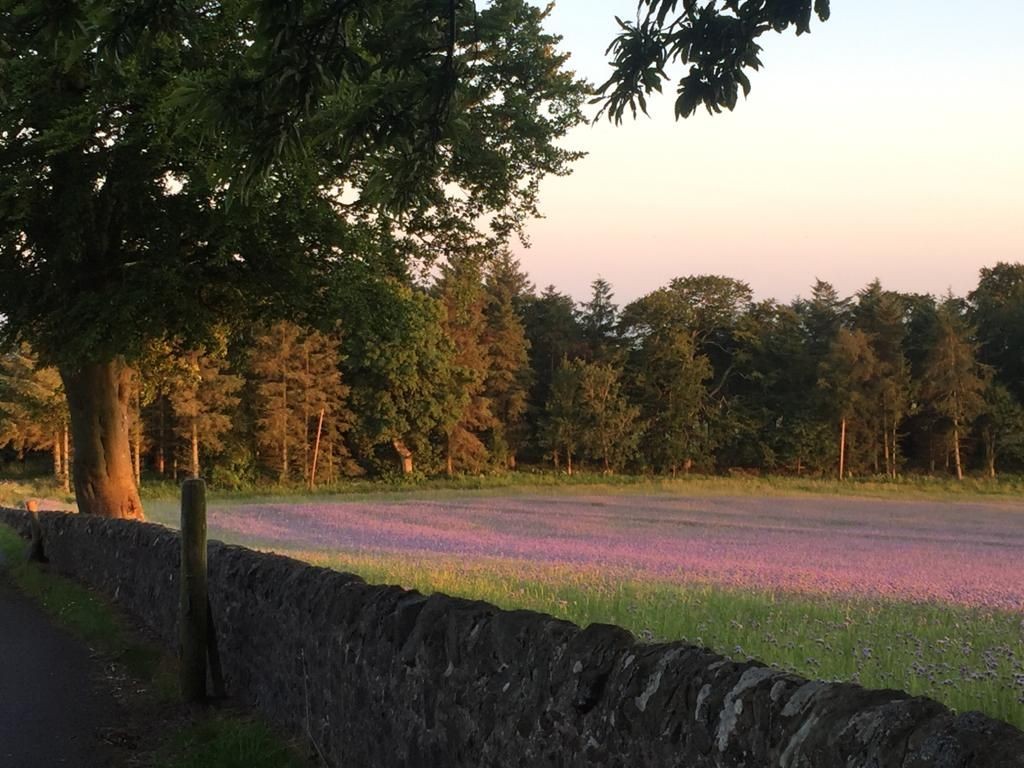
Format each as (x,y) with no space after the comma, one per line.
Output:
(477,372)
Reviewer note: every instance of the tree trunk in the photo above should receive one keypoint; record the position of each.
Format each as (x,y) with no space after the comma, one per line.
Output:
(990,452)
(161,450)
(842,447)
(137,467)
(58,467)
(316,449)
(956,451)
(98,396)
(195,448)
(404,456)
(885,443)
(66,478)
(568,462)
(449,465)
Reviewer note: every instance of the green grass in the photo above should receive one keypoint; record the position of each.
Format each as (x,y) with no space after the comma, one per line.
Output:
(1008,488)
(215,739)
(969,659)
(229,741)
(14,492)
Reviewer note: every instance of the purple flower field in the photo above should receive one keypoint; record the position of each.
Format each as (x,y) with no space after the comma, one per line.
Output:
(955,552)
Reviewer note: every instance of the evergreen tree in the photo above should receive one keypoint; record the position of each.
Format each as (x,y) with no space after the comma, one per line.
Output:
(598,319)
(33,412)
(564,423)
(203,403)
(297,378)
(554,336)
(955,382)
(509,376)
(848,374)
(611,427)
(461,294)
(882,316)
(1001,427)
(997,314)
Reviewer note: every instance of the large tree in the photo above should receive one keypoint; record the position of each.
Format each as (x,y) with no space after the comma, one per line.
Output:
(164,166)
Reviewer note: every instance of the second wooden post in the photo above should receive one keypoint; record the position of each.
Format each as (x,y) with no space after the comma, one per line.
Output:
(193,596)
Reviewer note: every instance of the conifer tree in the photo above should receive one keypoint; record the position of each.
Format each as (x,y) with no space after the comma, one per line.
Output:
(882,316)
(611,428)
(33,412)
(460,291)
(955,382)
(564,422)
(203,402)
(599,317)
(508,379)
(848,374)
(297,378)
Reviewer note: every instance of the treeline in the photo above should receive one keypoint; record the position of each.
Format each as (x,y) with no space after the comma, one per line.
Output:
(480,372)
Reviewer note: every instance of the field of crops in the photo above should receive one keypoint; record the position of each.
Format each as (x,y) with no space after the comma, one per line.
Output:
(925,596)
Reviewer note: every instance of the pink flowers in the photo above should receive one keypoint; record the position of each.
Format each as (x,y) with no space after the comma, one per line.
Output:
(965,553)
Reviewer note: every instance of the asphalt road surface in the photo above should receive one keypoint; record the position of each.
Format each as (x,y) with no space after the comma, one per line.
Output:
(51,708)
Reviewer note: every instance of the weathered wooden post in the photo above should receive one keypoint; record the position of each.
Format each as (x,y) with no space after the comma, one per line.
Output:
(35,549)
(193,618)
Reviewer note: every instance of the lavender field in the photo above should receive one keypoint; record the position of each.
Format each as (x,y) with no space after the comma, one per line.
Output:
(961,553)
(923,596)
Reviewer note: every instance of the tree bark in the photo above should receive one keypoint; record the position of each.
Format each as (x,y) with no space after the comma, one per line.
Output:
(195,448)
(404,456)
(161,452)
(956,451)
(138,441)
(66,477)
(98,395)
(58,467)
(842,449)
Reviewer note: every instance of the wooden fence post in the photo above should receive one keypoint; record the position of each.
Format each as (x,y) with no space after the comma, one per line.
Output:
(35,549)
(193,618)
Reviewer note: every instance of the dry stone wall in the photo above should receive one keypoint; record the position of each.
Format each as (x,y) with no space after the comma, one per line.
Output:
(380,677)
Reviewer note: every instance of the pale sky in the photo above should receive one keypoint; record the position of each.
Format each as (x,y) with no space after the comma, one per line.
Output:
(888,143)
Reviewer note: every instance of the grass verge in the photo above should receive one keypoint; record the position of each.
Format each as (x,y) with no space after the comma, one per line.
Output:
(967,658)
(210,740)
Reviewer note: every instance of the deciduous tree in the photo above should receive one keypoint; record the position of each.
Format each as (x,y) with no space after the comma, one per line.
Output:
(207,160)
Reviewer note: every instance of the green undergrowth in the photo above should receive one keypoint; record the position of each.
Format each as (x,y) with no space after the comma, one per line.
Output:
(14,492)
(217,739)
(229,741)
(1008,488)
(967,658)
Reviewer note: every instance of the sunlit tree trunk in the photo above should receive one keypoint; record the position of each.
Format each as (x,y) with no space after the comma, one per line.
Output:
(138,440)
(195,448)
(98,398)
(956,450)
(66,441)
(404,456)
(161,450)
(58,466)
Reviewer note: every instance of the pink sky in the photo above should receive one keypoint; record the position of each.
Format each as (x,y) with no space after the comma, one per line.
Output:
(888,143)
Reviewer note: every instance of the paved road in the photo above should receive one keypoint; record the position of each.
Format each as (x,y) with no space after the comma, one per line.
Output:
(50,707)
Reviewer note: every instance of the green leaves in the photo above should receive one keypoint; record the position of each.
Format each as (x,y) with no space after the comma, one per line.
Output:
(716,41)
